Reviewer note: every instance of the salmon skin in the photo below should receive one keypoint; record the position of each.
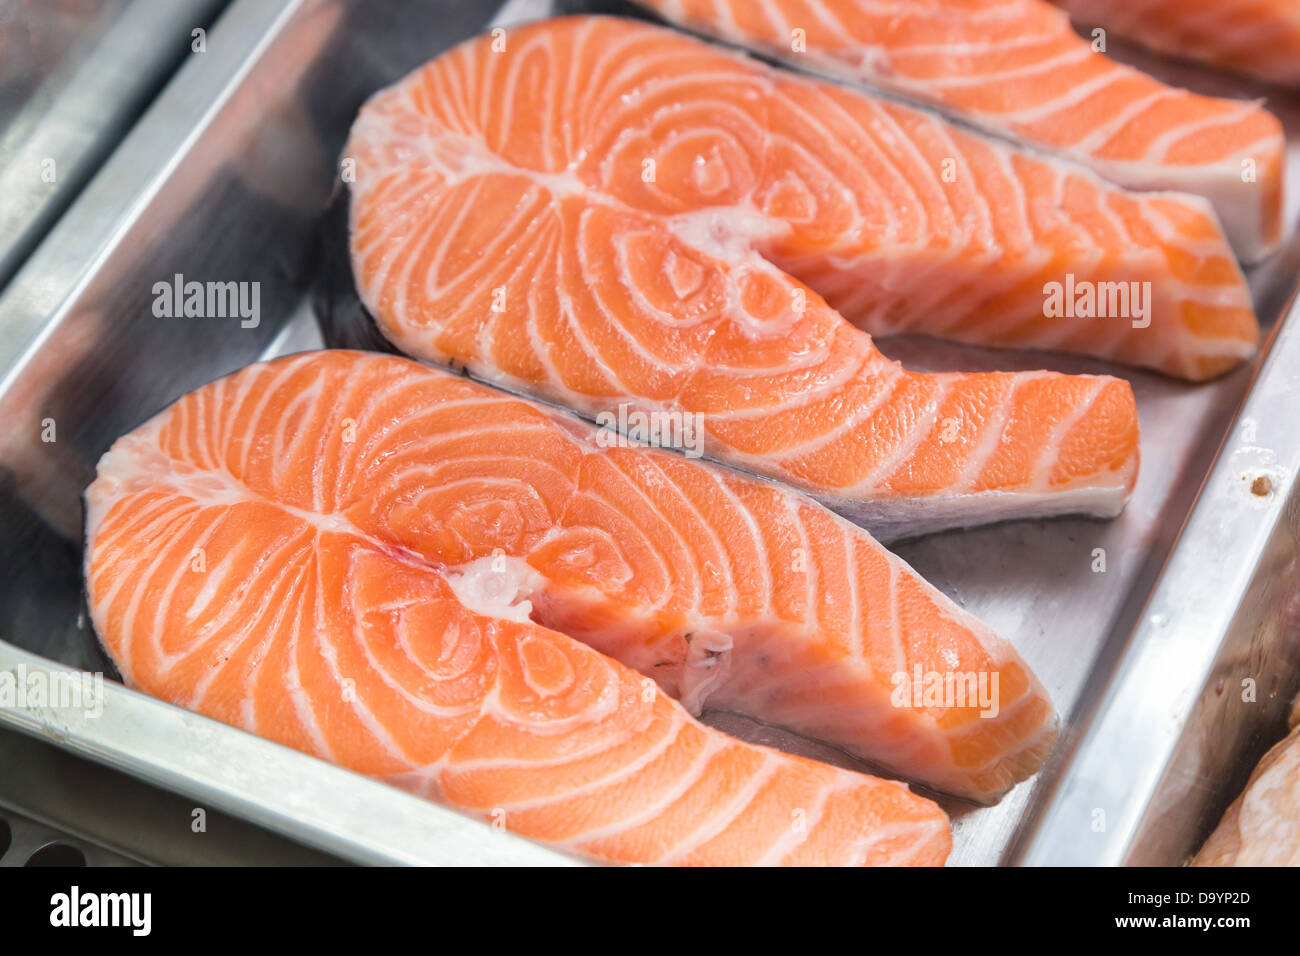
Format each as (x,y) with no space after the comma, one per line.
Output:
(1257,38)
(500,223)
(1016,69)
(386,565)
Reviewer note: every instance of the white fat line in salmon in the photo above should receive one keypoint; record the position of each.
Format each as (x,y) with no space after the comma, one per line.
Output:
(946,689)
(74,908)
(52,690)
(628,427)
(208,300)
(1085,299)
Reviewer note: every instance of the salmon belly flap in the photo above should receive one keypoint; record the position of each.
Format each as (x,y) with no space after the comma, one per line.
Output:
(1018,70)
(465,594)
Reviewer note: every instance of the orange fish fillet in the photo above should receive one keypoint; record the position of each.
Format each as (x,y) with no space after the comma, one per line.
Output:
(382,564)
(1016,68)
(502,221)
(1260,38)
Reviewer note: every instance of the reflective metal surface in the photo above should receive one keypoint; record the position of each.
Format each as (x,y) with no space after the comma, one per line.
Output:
(28,842)
(224,179)
(1205,684)
(116,819)
(74,75)
(300,796)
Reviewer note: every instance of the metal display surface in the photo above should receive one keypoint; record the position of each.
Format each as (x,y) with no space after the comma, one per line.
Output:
(73,77)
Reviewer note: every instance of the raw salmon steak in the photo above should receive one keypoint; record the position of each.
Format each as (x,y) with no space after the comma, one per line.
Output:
(1262,826)
(1258,38)
(420,577)
(1015,68)
(592,216)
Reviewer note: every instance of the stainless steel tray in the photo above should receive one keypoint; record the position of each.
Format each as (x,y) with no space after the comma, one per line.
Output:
(225,177)
(74,76)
